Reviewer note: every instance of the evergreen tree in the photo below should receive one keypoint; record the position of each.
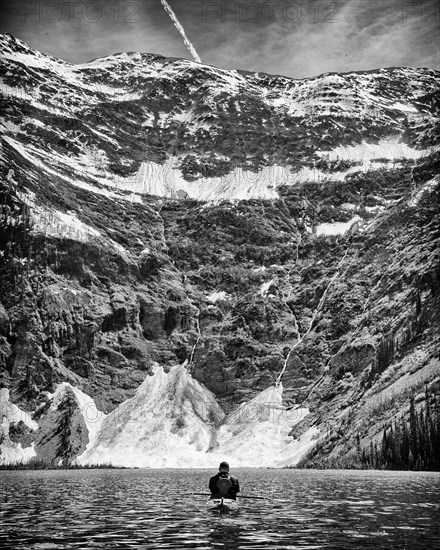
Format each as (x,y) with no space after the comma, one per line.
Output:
(65,449)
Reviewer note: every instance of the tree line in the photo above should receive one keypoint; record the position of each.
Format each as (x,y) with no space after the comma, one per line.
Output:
(409,444)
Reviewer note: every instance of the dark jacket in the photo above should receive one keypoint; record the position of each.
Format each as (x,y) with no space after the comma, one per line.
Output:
(233,490)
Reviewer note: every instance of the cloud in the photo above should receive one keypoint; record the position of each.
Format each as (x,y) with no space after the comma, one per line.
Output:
(350,35)
(298,39)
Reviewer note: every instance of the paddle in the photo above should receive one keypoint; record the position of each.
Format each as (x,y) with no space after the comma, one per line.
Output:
(240,496)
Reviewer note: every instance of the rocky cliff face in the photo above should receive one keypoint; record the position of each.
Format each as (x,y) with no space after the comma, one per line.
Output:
(253,228)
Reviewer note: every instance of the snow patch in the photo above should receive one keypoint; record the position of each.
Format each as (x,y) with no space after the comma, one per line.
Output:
(13,413)
(14,453)
(217,296)
(171,422)
(11,452)
(166,180)
(166,424)
(404,107)
(389,149)
(265,287)
(374,209)
(257,433)
(337,228)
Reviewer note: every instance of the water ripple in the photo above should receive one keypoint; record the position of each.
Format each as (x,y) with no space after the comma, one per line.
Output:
(142,509)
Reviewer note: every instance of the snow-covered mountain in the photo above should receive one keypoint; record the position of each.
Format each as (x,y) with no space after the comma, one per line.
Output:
(145,124)
(262,239)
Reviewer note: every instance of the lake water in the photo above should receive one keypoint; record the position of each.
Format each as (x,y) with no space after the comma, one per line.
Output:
(153,509)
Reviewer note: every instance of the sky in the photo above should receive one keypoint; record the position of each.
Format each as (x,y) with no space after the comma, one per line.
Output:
(298,39)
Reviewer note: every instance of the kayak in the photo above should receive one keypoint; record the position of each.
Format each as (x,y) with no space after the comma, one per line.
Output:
(222,504)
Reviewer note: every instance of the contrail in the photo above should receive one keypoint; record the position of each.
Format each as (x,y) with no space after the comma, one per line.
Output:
(181,30)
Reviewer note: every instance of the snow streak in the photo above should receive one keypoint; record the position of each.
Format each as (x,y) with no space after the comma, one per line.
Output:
(179,27)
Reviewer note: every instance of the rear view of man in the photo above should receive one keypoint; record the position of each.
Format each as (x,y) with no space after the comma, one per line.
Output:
(223,484)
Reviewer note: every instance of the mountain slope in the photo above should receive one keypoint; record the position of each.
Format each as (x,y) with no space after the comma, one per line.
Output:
(252,228)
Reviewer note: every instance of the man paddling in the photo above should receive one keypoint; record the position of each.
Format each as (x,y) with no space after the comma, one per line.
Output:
(218,484)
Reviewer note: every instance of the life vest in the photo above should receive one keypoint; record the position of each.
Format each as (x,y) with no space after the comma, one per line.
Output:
(223,485)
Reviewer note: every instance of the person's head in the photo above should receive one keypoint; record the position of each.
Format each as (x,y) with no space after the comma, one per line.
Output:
(223,468)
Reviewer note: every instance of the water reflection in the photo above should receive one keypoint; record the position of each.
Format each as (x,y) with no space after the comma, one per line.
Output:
(225,533)
(155,509)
